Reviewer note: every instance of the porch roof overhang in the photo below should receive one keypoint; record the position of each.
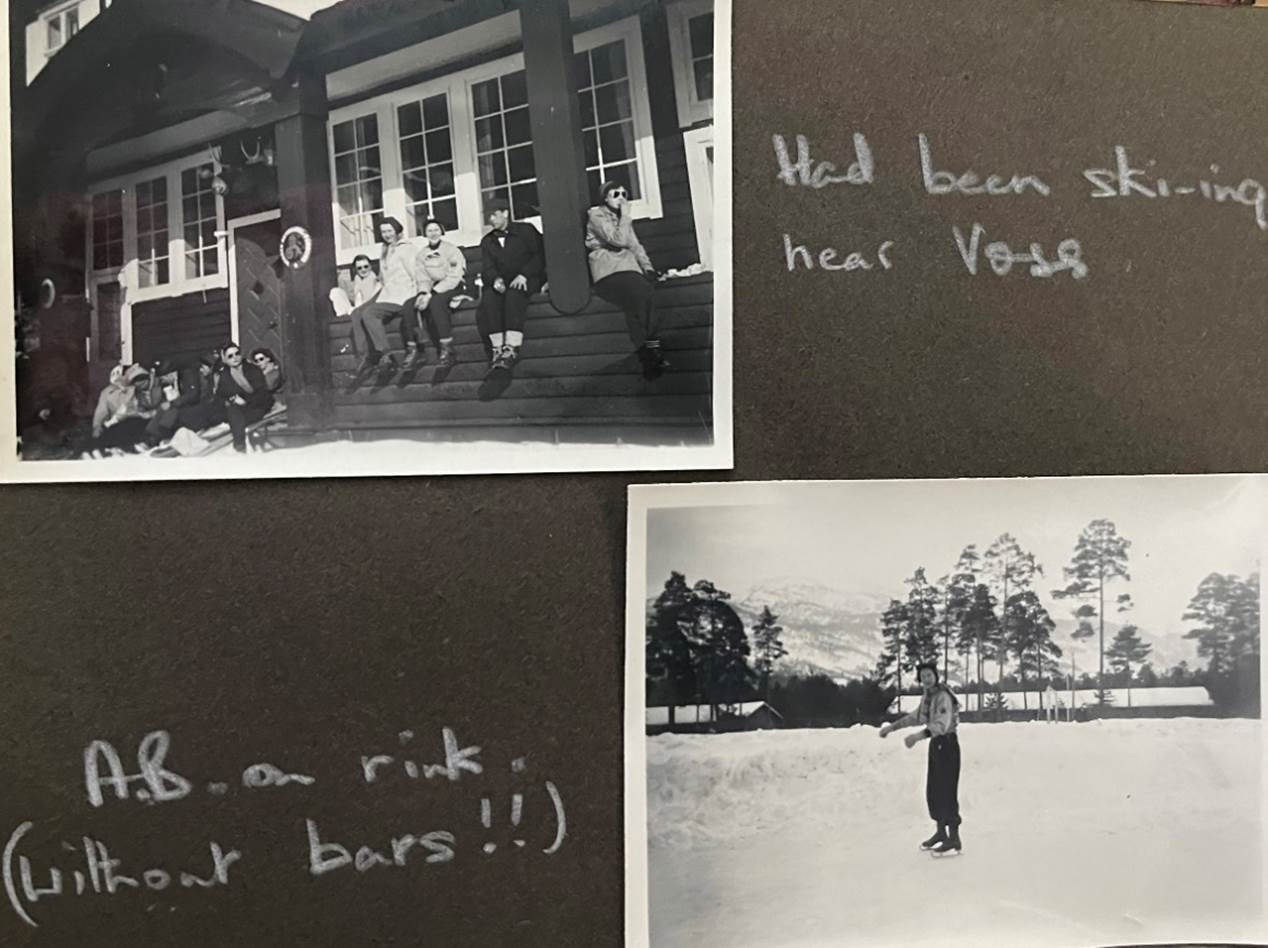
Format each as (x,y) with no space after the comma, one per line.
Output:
(65,114)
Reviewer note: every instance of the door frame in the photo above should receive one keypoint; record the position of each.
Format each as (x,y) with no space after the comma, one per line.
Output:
(696,143)
(231,228)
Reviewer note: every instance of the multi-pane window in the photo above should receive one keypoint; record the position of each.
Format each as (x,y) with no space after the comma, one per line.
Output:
(607,118)
(427,171)
(107,229)
(59,27)
(700,30)
(358,180)
(151,233)
(504,143)
(198,214)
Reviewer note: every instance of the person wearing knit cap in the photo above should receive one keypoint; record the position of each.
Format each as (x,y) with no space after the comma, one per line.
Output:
(513,268)
(938,716)
(622,272)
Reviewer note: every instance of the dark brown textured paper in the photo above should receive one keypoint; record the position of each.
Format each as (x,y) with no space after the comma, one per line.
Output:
(307,623)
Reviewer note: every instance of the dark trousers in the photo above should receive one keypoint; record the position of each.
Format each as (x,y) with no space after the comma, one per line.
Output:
(943,781)
(125,435)
(501,312)
(369,321)
(437,319)
(201,416)
(634,294)
(239,417)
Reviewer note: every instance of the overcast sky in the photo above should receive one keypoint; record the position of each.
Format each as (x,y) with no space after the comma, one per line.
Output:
(867,537)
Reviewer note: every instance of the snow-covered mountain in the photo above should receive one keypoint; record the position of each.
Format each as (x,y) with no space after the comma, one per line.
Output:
(826,629)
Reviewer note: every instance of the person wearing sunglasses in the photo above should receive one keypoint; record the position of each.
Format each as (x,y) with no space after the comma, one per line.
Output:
(623,274)
(272,369)
(244,392)
(401,272)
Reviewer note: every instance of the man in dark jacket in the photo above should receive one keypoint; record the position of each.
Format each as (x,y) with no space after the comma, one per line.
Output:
(513,269)
(244,391)
(195,386)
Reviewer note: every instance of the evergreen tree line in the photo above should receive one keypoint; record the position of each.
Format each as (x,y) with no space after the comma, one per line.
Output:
(985,615)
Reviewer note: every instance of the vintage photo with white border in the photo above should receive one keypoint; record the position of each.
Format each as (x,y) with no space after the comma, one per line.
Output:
(958,712)
(366,237)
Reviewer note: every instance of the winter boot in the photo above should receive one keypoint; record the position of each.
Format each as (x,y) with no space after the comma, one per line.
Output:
(950,846)
(936,839)
(447,357)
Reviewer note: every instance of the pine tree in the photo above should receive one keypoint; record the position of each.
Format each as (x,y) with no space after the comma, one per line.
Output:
(980,630)
(1212,609)
(720,645)
(893,658)
(1100,558)
(1126,650)
(768,648)
(1011,570)
(1029,639)
(957,594)
(1083,631)
(922,619)
(669,659)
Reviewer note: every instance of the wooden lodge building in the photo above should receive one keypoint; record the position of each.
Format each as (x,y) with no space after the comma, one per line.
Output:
(163,151)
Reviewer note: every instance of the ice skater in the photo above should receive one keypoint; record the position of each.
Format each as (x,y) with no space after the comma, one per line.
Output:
(939,714)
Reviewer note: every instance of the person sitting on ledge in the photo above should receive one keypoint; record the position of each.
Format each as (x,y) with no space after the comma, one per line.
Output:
(267,363)
(119,423)
(513,269)
(401,273)
(244,392)
(623,273)
(444,267)
(195,386)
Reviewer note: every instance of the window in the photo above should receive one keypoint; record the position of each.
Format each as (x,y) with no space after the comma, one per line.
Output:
(504,143)
(60,26)
(698,144)
(691,46)
(152,246)
(445,147)
(427,165)
(358,180)
(198,212)
(107,230)
(157,232)
(607,117)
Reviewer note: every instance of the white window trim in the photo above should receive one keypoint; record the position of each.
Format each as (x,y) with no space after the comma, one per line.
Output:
(691,108)
(696,141)
(457,86)
(53,14)
(129,274)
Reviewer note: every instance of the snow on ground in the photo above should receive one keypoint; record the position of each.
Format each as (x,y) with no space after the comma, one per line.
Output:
(1114,831)
(1156,697)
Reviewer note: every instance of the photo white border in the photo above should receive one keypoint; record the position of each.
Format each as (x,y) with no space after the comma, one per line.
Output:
(430,455)
(643,498)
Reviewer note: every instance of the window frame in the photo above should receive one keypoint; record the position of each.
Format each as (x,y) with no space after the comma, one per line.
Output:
(129,274)
(457,86)
(58,13)
(696,143)
(692,110)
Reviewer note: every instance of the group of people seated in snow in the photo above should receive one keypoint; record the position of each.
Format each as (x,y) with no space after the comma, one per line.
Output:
(142,408)
(420,280)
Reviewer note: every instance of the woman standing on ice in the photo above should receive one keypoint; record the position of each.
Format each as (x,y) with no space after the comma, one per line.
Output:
(939,714)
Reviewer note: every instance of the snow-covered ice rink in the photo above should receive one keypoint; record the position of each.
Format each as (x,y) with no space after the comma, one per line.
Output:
(1110,832)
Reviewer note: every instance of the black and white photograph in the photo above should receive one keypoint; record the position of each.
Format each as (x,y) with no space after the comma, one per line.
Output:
(333,237)
(1014,711)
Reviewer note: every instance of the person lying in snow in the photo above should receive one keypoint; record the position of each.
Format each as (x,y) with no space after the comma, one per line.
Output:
(939,717)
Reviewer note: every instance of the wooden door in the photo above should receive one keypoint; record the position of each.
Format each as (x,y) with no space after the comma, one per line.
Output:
(258,287)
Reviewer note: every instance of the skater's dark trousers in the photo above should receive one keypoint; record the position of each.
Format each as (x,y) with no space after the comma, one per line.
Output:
(369,322)
(501,312)
(637,299)
(943,780)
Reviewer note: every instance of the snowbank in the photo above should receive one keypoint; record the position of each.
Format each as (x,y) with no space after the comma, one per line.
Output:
(1115,831)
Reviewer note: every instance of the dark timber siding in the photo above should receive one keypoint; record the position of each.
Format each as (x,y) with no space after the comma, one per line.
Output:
(180,326)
